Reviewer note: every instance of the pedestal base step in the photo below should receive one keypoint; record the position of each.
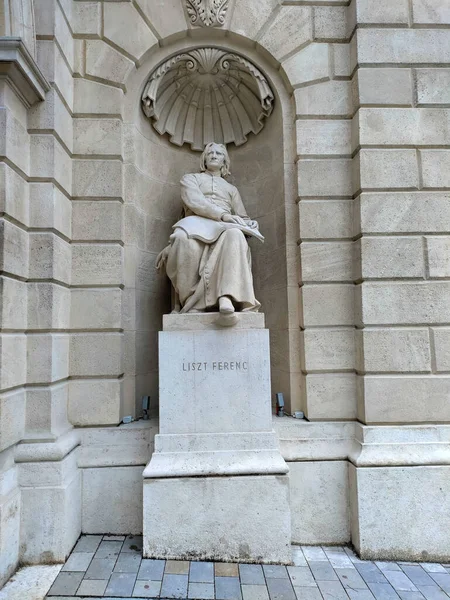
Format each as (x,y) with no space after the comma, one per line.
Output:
(212,454)
(238,519)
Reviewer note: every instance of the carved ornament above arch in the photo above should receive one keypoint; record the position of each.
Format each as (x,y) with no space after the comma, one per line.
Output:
(207,13)
(206,95)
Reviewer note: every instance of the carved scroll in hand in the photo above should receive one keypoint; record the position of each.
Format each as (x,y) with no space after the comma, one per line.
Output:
(207,13)
(207,95)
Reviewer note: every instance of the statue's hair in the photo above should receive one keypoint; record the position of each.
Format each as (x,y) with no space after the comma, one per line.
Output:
(225,170)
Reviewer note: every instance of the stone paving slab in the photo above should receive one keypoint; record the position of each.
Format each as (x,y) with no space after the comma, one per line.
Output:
(151,569)
(30,583)
(201,572)
(227,588)
(251,575)
(111,568)
(280,589)
(201,591)
(308,593)
(174,586)
(323,570)
(254,592)
(121,584)
(92,587)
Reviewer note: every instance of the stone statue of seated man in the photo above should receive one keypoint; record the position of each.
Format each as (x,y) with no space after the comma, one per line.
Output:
(208,258)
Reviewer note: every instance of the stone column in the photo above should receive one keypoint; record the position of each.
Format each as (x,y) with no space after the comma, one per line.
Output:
(216,486)
(49,478)
(402,254)
(36,190)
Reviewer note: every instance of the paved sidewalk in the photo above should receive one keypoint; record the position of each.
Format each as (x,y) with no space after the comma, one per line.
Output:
(112,567)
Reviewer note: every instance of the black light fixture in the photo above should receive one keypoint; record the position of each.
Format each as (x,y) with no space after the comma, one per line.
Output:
(280,404)
(145,407)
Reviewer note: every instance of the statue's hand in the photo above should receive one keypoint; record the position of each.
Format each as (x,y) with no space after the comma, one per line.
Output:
(227,218)
(252,224)
(161,259)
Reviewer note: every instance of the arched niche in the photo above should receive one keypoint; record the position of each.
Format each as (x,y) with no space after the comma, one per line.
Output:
(264,171)
(207,95)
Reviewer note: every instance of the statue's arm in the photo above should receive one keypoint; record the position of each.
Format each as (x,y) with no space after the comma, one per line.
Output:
(239,209)
(237,205)
(193,198)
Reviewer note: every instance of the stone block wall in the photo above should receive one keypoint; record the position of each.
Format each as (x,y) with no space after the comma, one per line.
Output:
(321,77)
(401,139)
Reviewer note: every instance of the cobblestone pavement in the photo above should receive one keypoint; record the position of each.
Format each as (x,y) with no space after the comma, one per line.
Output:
(112,567)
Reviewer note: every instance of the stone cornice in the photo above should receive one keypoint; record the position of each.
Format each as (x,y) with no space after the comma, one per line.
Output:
(404,445)
(20,70)
(364,445)
(47,450)
(300,441)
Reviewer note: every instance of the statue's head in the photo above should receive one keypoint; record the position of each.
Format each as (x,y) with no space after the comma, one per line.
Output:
(215,156)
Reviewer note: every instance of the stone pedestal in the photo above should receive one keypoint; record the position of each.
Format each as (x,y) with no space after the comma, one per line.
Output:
(216,486)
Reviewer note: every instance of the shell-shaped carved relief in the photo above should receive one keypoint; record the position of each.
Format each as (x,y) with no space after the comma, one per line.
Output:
(207,95)
(207,13)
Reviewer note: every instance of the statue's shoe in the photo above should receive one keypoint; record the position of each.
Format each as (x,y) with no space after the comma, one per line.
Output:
(225,306)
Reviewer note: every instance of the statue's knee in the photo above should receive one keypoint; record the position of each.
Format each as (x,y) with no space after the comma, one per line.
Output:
(178,236)
(235,234)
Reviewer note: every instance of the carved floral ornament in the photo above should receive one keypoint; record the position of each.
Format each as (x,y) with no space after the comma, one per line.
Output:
(207,95)
(207,13)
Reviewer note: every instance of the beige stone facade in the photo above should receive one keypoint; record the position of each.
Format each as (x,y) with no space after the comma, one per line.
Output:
(349,180)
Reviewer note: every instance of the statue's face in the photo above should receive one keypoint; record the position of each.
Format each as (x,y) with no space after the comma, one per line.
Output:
(215,158)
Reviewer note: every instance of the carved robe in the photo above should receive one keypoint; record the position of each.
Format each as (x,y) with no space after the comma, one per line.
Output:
(205,264)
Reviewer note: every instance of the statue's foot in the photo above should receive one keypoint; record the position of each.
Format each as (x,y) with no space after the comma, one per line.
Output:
(225,306)
(227,320)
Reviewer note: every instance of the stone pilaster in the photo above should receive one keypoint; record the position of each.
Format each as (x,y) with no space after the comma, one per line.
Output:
(400,138)
(22,85)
